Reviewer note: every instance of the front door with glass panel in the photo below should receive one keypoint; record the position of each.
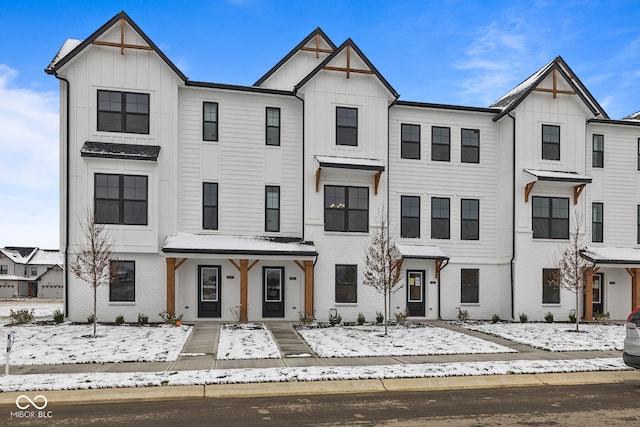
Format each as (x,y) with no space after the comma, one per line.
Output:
(415,292)
(209,297)
(598,294)
(273,292)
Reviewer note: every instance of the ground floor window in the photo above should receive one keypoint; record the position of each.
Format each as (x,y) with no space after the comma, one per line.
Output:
(122,286)
(346,283)
(469,285)
(550,286)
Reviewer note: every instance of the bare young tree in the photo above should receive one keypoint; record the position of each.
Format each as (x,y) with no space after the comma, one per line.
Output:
(572,267)
(93,259)
(383,264)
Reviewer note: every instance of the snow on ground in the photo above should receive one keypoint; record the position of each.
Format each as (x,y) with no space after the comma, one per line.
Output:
(42,307)
(246,341)
(365,341)
(556,336)
(95,380)
(37,344)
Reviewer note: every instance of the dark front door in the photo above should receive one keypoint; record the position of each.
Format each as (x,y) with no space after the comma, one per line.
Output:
(415,292)
(209,297)
(273,292)
(598,293)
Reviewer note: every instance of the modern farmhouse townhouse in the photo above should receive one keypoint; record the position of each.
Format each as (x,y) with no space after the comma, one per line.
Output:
(256,202)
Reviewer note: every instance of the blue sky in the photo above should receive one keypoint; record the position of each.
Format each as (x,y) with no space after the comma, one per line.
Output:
(452,52)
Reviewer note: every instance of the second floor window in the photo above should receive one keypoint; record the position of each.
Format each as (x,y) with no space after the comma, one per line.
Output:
(346,208)
(410,141)
(346,126)
(120,199)
(272,208)
(123,112)
(210,206)
(550,218)
(597,222)
(210,121)
(470,218)
(273,126)
(439,218)
(440,144)
(550,142)
(470,146)
(597,160)
(4,269)
(410,216)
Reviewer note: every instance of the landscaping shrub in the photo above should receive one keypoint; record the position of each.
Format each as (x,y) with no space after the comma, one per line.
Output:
(361,319)
(572,316)
(463,315)
(379,318)
(24,315)
(58,316)
(524,318)
(548,317)
(601,317)
(143,319)
(495,318)
(335,319)
(170,319)
(119,319)
(91,318)
(307,318)
(401,317)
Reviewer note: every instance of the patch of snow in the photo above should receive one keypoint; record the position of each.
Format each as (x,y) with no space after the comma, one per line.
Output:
(246,341)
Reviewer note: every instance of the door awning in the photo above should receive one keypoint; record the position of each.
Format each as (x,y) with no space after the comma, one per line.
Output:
(421,252)
(574,179)
(353,163)
(612,256)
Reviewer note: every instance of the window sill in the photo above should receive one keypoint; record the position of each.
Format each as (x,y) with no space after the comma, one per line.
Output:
(551,304)
(470,304)
(122,303)
(346,304)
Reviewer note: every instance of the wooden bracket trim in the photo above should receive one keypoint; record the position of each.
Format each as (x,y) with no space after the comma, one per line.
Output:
(318,179)
(577,190)
(527,190)
(376,181)
(179,264)
(122,45)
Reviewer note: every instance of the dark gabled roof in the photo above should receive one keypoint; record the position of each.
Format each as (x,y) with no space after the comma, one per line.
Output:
(56,65)
(24,251)
(314,33)
(239,88)
(335,53)
(109,150)
(625,122)
(447,107)
(512,99)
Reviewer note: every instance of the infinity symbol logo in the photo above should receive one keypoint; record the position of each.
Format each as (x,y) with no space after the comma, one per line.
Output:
(22,397)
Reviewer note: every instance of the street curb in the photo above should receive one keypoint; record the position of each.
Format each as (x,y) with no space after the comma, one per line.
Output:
(299,388)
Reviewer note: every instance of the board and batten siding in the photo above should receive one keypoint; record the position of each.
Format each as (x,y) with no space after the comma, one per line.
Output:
(240,161)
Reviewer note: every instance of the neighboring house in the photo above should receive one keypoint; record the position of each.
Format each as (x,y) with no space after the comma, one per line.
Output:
(30,272)
(258,201)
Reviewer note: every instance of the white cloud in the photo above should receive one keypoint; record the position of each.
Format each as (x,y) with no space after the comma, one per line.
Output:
(29,159)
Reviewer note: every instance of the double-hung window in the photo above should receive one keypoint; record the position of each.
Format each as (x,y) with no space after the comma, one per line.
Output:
(4,269)
(123,112)
(210,206)
(470,146)
(550,142)
(410,141)
(470,219)
(346,126)
(597,223)
(550,286)
(469,285)
(346,208)
(272,208)
(550,218)
(120,199)
(210,121)
(273,126)
(410,216)
(440,217)
(122,283)
(440,143)
(346,283)
(597,160)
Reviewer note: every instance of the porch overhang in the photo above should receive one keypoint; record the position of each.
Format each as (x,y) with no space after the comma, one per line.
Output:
(243,249)
(612,256)
(426,252)
(577,181)
(354,163)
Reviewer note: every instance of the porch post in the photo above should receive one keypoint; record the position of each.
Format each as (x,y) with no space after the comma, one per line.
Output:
(244,286)
(308,287)
(171,285)
(588,295)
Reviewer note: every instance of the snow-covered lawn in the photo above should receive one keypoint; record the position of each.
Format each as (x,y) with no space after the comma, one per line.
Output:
(42,308)
(246,341)
(365,341)
(556,336)
(37,344)
(95,380)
